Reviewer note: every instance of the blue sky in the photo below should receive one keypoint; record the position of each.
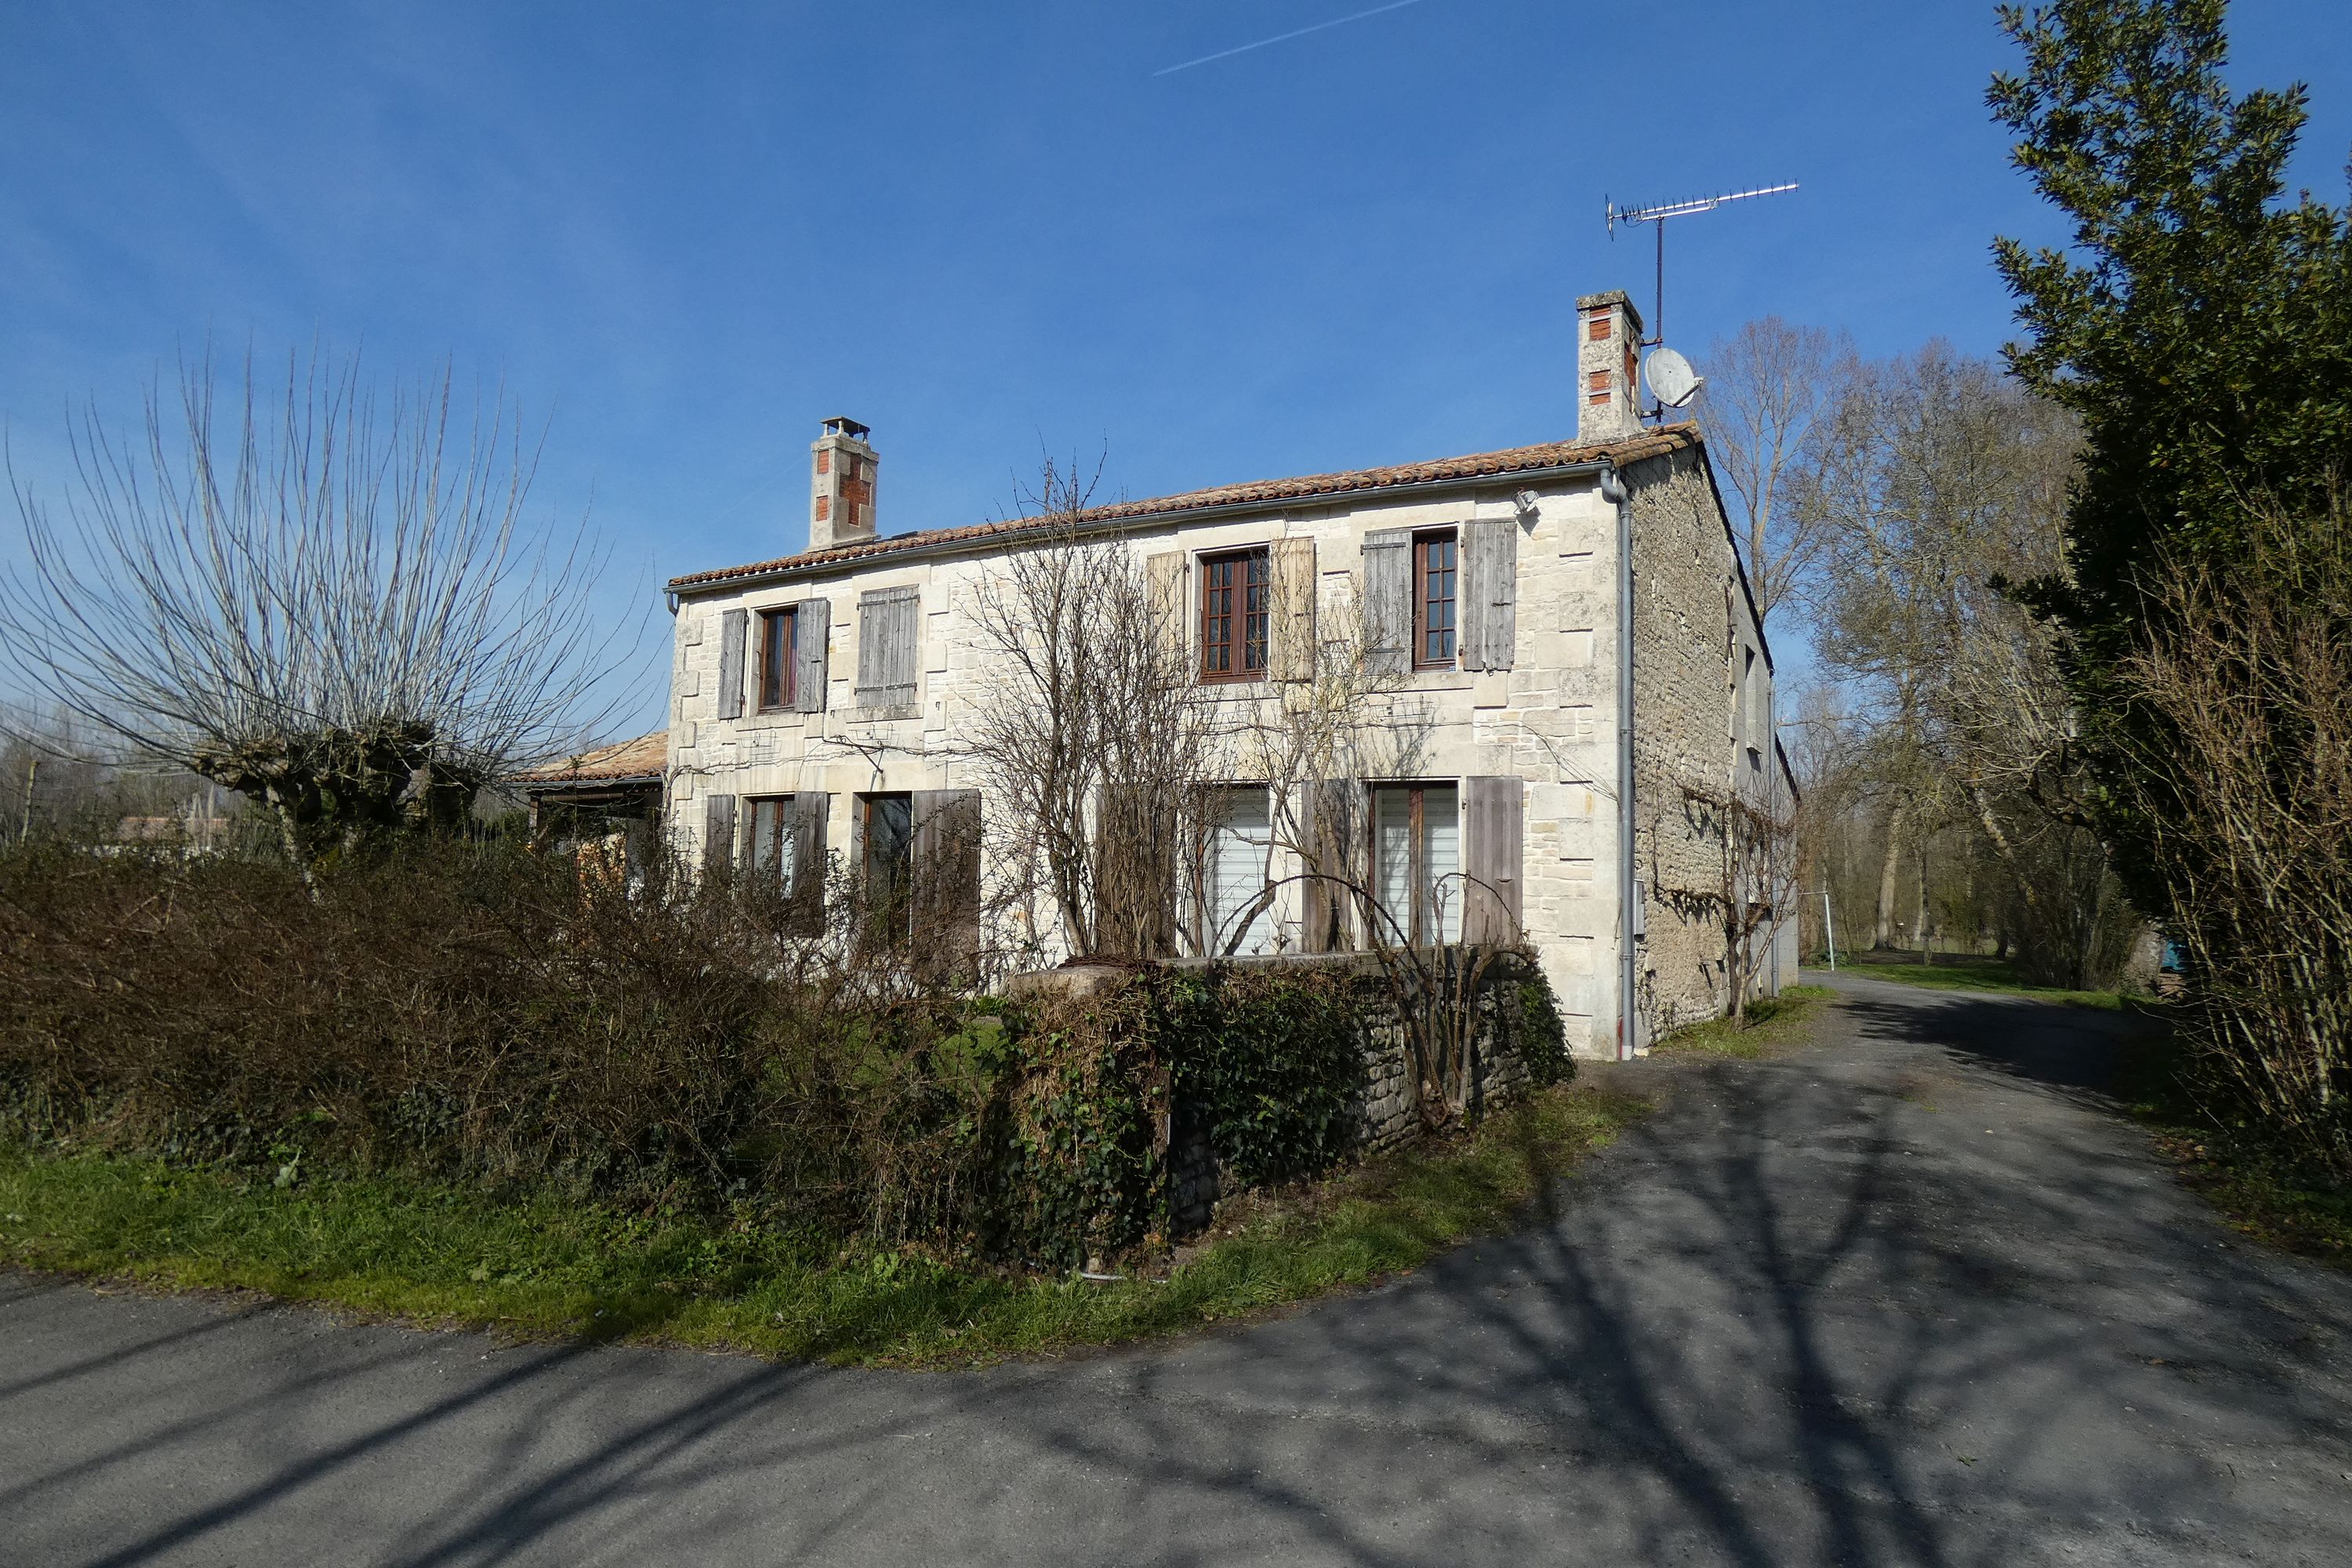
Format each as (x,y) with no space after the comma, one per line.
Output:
(686,233)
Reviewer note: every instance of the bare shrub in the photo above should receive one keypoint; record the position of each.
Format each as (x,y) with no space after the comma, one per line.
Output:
(482,1012)
(1755,838)
(2244,794)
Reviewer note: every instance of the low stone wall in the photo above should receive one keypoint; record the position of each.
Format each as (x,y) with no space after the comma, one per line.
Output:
(1387,1114)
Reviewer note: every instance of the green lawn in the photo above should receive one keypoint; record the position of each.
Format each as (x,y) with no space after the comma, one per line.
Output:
(550,1266)
(1958,973)
(1771,1025)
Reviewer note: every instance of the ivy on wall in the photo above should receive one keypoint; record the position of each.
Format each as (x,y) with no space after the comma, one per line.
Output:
(1097,1092)
(1540,1032)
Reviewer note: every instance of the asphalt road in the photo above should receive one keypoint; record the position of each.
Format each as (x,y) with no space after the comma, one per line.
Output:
(1912,1297)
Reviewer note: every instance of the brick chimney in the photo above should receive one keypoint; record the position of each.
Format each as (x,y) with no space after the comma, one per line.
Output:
(841,486)
(1608,336)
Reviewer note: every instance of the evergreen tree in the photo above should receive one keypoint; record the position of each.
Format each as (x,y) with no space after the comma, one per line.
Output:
(2199,325)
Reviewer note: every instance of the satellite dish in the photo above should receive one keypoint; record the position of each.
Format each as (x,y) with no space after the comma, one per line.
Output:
(1672,380)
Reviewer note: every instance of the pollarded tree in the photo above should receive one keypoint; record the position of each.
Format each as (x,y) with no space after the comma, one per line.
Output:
(328,602)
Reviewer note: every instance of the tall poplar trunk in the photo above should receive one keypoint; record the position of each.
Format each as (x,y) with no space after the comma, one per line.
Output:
(1884,936)
(1919,930)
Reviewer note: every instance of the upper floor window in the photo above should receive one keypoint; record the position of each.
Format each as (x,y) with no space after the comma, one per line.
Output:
(778,659)
(1437,576)
(888,643)
(1236,594)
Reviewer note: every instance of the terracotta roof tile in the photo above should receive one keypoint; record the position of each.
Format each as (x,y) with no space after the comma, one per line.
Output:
(645,757)
(1550,455)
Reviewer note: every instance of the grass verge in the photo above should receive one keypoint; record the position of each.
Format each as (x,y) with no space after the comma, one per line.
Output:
(548,1265)
(1982,975)
(2264,1194)
(1772,1025)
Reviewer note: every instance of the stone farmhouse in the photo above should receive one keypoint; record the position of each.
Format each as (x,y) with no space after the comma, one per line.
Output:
(1572,617)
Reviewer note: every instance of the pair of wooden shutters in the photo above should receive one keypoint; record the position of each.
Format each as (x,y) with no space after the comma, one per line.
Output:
(1290,574)
(1493,829)
(813,622)
(726,838)
(1488,608)
(938,878)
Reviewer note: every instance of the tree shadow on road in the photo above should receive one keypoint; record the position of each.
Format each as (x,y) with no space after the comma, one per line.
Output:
(2076,1050)
(1797,1316)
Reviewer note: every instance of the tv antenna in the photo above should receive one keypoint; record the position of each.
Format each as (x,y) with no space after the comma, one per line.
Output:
(1659,215)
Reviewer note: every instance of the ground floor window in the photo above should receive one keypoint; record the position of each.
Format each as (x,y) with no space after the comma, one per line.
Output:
(887,836)
(773,842)
(1417,861)
(1241,838)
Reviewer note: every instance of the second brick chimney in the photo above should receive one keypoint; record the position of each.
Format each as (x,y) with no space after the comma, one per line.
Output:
(1608,336)
(841,486)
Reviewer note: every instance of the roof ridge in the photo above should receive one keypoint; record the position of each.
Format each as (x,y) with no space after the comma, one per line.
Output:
(1543,454)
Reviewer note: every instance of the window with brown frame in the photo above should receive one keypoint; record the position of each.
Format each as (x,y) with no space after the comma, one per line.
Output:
(1416,858)
(771,843)
(779,643)
(1235,600)
(1436,589)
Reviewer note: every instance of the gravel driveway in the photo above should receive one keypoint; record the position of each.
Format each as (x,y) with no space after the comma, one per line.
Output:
(1910,1295)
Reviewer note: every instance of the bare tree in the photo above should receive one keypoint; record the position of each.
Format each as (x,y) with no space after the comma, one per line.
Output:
(1770,387)
(1091,731)
(1935,482)
(1344,717)
(325,601)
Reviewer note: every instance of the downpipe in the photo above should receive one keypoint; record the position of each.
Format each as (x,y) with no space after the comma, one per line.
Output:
(1629,1023)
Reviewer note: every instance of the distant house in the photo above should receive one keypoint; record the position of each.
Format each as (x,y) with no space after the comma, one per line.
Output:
(192,831)
(1572,616)
(613,788)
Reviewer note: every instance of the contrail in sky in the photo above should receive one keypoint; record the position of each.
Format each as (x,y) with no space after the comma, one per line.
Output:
(1285,38)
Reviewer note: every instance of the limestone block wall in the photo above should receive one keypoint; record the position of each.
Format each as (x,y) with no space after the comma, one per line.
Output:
(1548,719)
(1702,701)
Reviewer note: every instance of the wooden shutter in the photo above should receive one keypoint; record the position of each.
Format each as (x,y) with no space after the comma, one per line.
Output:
(810,810)
(1164,576)
(734,627)
(1329,827)
(1493,827)
(1387,600)
(946,867)
(886,647)
(1139,845)
(1294,609)
(1490,592)
(719,819)
(812,632)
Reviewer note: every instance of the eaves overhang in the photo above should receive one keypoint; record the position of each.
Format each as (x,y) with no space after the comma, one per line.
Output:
(1455,475)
